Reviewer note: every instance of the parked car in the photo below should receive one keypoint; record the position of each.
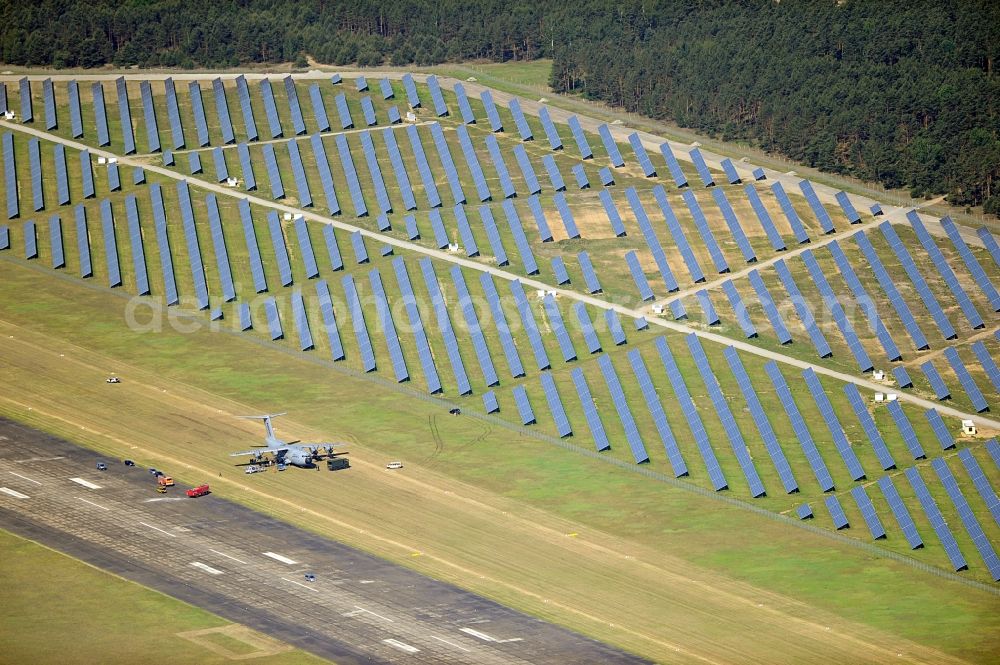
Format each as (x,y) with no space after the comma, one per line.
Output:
(101,466)
(394,465)
(129,462)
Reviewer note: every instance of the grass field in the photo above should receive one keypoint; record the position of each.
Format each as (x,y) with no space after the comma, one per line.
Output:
(101,618)
(479,453)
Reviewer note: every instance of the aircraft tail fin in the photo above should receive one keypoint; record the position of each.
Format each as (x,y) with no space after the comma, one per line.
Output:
(267,421)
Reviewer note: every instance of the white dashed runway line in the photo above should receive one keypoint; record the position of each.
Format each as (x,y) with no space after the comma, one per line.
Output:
(156,528)
(86,483)
(208,569)
(30,480)
(488,638)
(14,493)
(448,642)
(300,584)
(360,610)
(227,556)
(282,559)
(402,646)
(95,505)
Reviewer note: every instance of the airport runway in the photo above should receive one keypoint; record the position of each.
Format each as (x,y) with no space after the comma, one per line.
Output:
(249,568)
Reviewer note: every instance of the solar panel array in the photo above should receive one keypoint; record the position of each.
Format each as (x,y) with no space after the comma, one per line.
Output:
(638,277)
(614,385)
(971,263)
(849,210)
(934,378)
(220,249)
(399,170)
(270,109)
(503,329)
(868,512)
(198,108)
(968,383)
(730,170)
(138,253)
(581,140)
(837,310)
(298,124)
(110,244)
(944,270)
(677,233)
(445,326)
(969,520)
(163,245)
(24,87)
(100,115)
(923,290)
(193,247)
(472,160)
(173,114)
(868,425)
(358,324)
(463,105)
(246,107)
(447,163)
(491,111)
(222,111)
(368,111)
(506,184)
(885,281)
(900,512)
(802,309)
(82,242)
(555,177)
(940,430)
(493,235)
(388,327)
(610,146)
(817,206)
(474,328)
(794,221)
(802,433)
(652,241)
(351,174)
(465,232)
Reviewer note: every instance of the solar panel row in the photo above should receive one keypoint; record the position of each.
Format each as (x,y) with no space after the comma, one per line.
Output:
(329,320)
(718,259)
(764,218)
(900,512)
(868,425)
(735,228)
(790,214)
(163,245)
(83,242)
(867,509)
(503,329)
(802,309)
(802,433)
(222,111)
(173,114)
(817,206)
(833,425)
(100,115)
(491,111)
(325,175)
(473,327)
(110,244)
(246,107)
(463,105)
(298,124)
(837,310)
(423,168)
(359,325)
(62,177)
(632,435)
(597,430)
(482,189)
(198,108)
(56,243)
(193,247)
(444,154)
(138,254)
(253,248)
(944,270)
(701,167)
(353,184)
(388,327)
(270,109)
(969,520)
(906,430)
(445,327)
(968,383)
(219,248)
(930,302)
(677,233)
(885,281)
(971,263)
(399,169)
(299,173)
(652,241)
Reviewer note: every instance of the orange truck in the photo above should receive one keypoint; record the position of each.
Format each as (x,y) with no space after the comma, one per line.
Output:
(200,490)
(165,481)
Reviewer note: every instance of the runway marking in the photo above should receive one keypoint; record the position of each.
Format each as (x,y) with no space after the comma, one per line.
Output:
(96,505)
(30,480)
(488,638)
(39,459)
(86,483)
(402,646)
(164,498)
(301,584)
(156,528)
(358,610)
(14,493)
(441,639)
(227,556)
(207,569)
(282,559)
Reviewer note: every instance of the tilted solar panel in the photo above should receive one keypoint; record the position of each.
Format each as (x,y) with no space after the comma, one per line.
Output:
(325,175)
(82,242)
(306,248)
(423,168)
(219,248)
(581,140)
(270,109)
(641,156)
(468,117)
(301,321)
(193,246)
(559,270)
(246,164)
(581,176)
(440,108)
(940,430)
(56,243)
(138,253)
(273,319)
(198,108)
(971,263)
(110,244)
(360,251)
(987,363)
(358,324)
(329,320)
(610,146)
(100,115)
(990,243)
(344,113)
(491,111)
(253,248)
(490,403)
(837,310)
(614,325)
(298,124)
(739,309)
(817,206)
(849,210)
(24,86)
(555,177)
(273,173)
(767,302)
(163,245)
(222,111)
(520,239)
(673,165)
(868,425)
(75,110)
(530,326)
(399,169)
(587,328)
(62,177)
(445,326)
(411,91)
(388,328)
(632,435)
(794,221)
(332,248)
(937,384)
(30,241)
(701,167)
(833,425)
(555,141)
(527,170)
(473,328)
(867,509)
(114,181)
(902,377)
(655,407)
(368,111)
(589,274)
(494,236)
(465,232)
(520,121)
(802,433)
(353,184)
(86,175)
(732,177)
(566,215)
(362,83)
(900,512)
(969,520)
(906,430)
(138,176)
(968,383)
(944,270)
(981,483)
(802,309)
(394,117)
(708,238)
(221,170)
(243,310)
(173,114)
(652,241)
(299,173)
(597,430)
(35,167)
(523,406)
(246,106)
(472,160)
(49,101)
(10,176)
(557,325)
(836,513)
(500,322)
(563,426)
(735,228)
(444,154)
(680,239)
(764,217)
(506,184)
(638,276)
(544,232)
(417,327)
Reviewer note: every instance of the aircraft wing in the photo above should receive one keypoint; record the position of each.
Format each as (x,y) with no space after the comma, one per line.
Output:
(258,451)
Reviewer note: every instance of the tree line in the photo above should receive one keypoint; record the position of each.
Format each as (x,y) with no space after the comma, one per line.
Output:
(902,93)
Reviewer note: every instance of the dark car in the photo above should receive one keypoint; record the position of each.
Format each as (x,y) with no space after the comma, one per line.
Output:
(455,412)
(129,462)
(310,577)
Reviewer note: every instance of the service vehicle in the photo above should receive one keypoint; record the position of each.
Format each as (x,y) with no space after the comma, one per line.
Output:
(161,489)
(165,481)
(200,490)
(101,466)
(337,463)
(394,465)
(114,379)
(253,468)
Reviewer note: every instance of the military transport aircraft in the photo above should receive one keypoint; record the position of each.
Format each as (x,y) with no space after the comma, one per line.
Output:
(304,455)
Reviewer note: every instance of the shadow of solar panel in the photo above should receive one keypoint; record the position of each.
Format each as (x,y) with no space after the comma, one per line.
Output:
(520,239)
(569,224)
(358,324)
(641,156)
(930,302)
(299,173)
(110,244)
(527,170)
(802,433)
(555,177)
(198,109)
(473,327)
(837,311)
(836,513)
(937,384)
(298,124)
(734,225)
(163,245)
(940,430)
(346,121)
(817,206)
(353,184)
(900,512)
(638,277)
(273,173)
(968,383)
(35,167)
(987,363)
(27,113)
(319,108)
(849,210)
(802,309)
(718,259)
(394,117)
(581,139)
(506,184)
(833,425)
(969,520)
(972,264)
(868,425)
(82,242)
(701,167)
(491,111)
(423,168)
(388,328)
(325,175)
(270,109)
(764,217)
(246,165)
(437,228)
(868,512)
(981,483)
(445,326)
(301,322)
(557,325)
(332,248)
(906,430)
(610,146)
(632,435)
(523,406)
(440,108)
(764,296)
(253,248)
(721,404)
(945,271)
(490,404)
(655,407)
(465,232)
(767,434)
(329,320)
(193,247)
(100,115)
(530,325)
(680,239)
(468,117)
(221,170)
(138,254)
(75,110)
(49,101)
(56,243)
(386,87)
(503,330)
(794,221)
(411,91)
(694,422)
(222,111)
(219,248)
(62,178)
(482,189)
(273,320)
(10,177)
(246,107)
(493,235)
(444,154)
(30,241)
